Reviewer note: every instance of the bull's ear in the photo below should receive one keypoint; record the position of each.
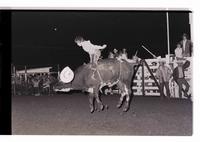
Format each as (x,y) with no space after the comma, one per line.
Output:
(66,75)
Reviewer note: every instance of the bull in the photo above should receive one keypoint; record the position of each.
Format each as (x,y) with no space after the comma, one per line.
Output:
(107,72)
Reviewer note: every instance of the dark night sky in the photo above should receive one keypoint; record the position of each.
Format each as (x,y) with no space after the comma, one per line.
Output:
(35,42)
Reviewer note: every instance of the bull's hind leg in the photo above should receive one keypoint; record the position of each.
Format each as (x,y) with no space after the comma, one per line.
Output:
(127,102)
(125,92)
(122,90)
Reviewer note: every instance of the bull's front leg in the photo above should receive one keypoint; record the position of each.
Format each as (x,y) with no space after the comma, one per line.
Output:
(121,100)
(94,94)
(99,103)
(91,102)
(98,100)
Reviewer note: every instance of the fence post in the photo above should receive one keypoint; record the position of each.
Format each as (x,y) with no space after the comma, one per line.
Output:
(25,75)
(14,83)
(143,87)
(153,78)
(58,71)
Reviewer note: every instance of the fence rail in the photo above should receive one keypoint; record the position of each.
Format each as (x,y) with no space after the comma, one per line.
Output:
(149,87)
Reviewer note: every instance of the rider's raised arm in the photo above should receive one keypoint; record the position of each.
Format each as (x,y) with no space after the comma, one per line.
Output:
(100,47)
(97,46)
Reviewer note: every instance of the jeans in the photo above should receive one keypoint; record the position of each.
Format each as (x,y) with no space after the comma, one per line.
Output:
(166,85)
(181,82)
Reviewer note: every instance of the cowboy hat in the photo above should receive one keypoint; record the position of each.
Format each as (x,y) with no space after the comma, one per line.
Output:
(66,75)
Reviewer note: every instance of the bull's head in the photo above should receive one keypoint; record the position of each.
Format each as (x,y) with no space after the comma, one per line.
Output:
(66,76)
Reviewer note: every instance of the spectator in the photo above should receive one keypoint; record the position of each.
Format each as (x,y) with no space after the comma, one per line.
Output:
(179,77)
(110,55)
(119,57)
(178,51)
(135,59)
(163,74)
(115,52)
(186,45)
(35,81)
(124,54)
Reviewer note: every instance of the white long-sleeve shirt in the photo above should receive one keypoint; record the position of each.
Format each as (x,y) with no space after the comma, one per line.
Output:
(179,52)
(90,48)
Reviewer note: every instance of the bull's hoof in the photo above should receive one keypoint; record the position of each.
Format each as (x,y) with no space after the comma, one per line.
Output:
(121,113)
(119,105)
(125,109)
(91,110)
(106,106)
(102,107)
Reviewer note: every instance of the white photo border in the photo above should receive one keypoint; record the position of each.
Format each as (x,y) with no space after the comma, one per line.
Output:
(192,5)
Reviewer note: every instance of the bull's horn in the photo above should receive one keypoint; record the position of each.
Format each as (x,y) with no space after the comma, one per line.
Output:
(66,75)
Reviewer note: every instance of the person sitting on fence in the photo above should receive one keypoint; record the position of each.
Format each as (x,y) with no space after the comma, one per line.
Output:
(135,59)
(119,57)
(124,54)
(94,51)
(163,74)
(179,77)
(178,51)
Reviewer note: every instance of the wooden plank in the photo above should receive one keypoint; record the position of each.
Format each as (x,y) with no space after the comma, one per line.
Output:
(157,84)
(143,87)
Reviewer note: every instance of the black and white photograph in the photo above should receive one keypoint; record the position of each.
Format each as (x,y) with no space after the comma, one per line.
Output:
(101,72)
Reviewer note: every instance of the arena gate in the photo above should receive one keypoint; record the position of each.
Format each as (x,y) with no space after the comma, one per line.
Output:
(150,88)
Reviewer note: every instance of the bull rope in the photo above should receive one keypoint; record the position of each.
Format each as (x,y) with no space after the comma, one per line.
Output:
(110,85)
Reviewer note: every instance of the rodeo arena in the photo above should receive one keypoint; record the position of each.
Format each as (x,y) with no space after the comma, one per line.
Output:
(112,88)
(41,81)
(126,96)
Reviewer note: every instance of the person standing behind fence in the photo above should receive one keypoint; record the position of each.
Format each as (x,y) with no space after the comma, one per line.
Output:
(115,52)
(124,54)
(179,77)
(35,81)
(163,74)
(93,50)
(186,45)
(110,55)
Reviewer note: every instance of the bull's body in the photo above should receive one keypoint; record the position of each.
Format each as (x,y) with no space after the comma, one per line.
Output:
(107,72)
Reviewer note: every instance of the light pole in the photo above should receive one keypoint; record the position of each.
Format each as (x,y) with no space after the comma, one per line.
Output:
(168,41)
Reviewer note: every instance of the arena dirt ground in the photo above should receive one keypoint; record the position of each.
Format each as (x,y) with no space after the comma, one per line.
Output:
(68,114)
